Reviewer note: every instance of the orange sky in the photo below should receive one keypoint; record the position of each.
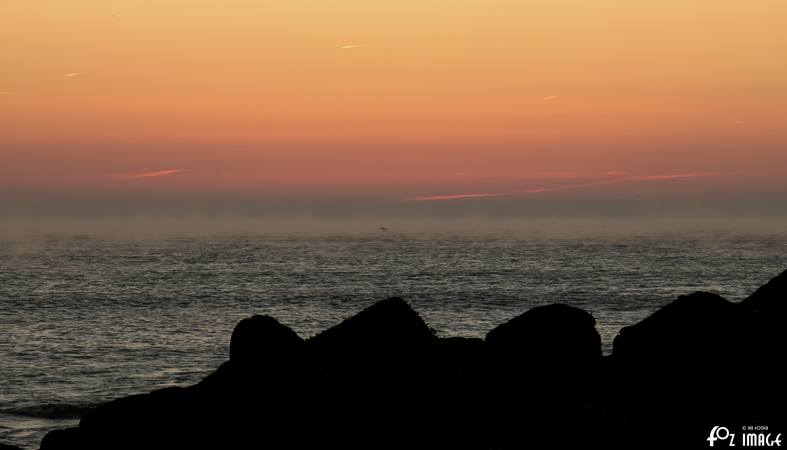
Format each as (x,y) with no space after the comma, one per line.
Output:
(391,100)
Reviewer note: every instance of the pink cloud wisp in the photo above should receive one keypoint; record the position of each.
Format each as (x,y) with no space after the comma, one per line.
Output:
(625,179)
(143,175)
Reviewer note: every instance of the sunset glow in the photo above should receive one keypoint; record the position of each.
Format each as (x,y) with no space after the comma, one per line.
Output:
(385,101)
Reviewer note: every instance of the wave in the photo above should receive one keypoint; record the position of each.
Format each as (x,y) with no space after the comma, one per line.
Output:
(53,410)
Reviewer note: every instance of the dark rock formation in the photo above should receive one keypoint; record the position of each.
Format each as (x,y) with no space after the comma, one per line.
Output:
(765,328)
(766,311)
(159,418)
(547,336)
(372,370)
(770,299)
(382,379)
(263,341)
(389,324)
(694,332)
(261,349)
(69,438)
(386,339)
(542,367)
(698,362)
(262,352)
(457,358)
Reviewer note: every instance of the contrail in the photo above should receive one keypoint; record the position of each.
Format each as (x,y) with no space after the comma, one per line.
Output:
(560,174)
(158,173)
(569,187)
(673,177)
(72,74)
(350,46)
(551,97)
(455,197)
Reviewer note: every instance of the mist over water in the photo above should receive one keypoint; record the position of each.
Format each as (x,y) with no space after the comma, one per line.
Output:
(142,226)
(89,318)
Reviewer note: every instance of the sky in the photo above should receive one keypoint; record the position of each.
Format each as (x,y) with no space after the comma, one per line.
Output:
(389,111)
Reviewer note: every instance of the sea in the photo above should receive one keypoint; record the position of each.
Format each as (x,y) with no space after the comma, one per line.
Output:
(87,319)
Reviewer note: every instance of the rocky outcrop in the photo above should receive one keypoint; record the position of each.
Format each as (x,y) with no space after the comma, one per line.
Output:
(386,339)
(383,379)
(69,438)
(765,315)
(261,341)
(262,352)
(547,336)
(695,331)
(770,299)
(702,361)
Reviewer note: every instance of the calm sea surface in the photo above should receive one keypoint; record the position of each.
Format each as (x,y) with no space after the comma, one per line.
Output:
(84,320)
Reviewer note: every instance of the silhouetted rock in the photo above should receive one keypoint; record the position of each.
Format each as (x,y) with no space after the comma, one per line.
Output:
(261,348)
(374,378)
(553,334)
(382,379)
(172,418)
(770,298)
(389,323)
(387,337)
(764,325)
(698,362)
(695,331)
(457,358)
(262,340)
(258,384)
(223,378)
(544,360)
(66,439)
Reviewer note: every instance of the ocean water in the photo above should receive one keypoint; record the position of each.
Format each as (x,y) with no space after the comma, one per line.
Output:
(84,320)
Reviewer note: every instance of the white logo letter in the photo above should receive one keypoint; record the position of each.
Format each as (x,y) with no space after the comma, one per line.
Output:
(716,434)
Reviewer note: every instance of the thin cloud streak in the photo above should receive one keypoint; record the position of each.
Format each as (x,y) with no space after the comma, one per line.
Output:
(560,174)
(672,177)
(72,74)
(143,175)
(455,197)
(570,187)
